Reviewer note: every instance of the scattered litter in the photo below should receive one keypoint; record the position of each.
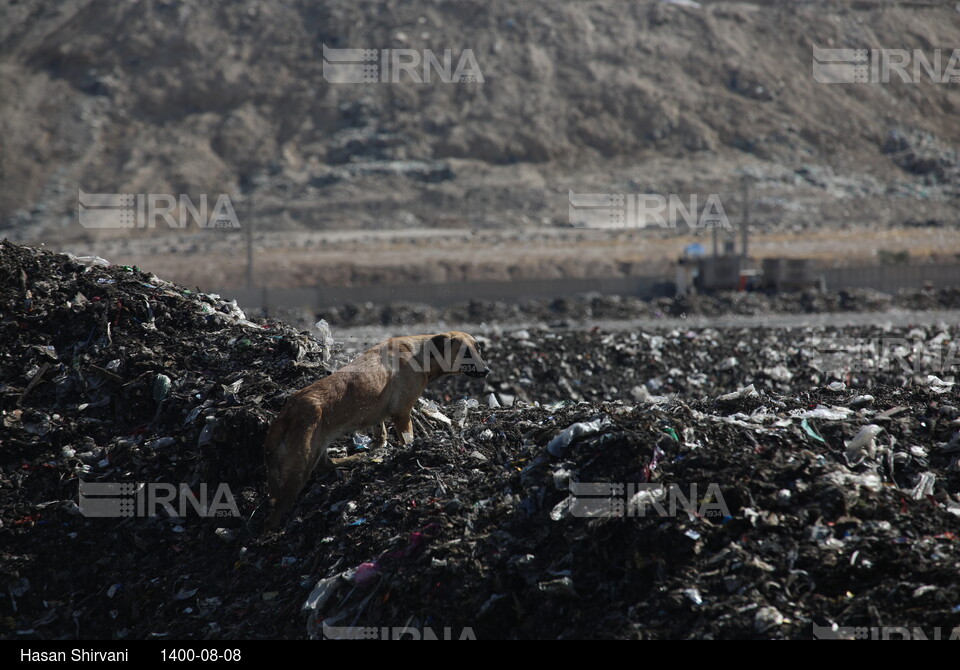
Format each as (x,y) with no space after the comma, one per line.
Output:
(430,409)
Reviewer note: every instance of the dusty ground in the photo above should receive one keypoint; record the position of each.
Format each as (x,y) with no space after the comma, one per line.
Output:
(218,260)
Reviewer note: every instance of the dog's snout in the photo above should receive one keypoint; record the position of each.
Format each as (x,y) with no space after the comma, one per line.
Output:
(473,370)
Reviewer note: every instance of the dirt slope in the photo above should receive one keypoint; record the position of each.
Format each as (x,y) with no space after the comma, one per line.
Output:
(194,97)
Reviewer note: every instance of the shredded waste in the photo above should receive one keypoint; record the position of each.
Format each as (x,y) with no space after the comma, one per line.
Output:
(596,485)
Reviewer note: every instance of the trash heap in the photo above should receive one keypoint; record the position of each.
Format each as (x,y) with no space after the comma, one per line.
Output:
(593,487)
(594,365)
(120,369)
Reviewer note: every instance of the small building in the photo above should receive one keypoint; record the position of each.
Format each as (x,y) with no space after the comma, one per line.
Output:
(788,274)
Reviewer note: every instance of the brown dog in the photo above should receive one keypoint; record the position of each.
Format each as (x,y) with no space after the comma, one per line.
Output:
(382,383)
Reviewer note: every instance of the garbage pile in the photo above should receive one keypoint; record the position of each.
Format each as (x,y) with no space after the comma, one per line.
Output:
(135,369)
(587,307)
(596,366)
(708,483)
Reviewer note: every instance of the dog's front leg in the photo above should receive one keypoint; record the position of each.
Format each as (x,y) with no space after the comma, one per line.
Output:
(404,427)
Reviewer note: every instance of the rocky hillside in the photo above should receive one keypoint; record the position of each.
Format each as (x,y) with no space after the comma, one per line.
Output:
(191,96)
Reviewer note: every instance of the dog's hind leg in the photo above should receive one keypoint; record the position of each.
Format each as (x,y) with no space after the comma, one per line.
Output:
(380,439)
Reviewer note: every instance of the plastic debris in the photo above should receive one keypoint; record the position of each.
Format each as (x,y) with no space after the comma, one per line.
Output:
(577,430)
(863,445)
(823,412)
(766,619)
(430,409)
(322,592)
(860,401)
(746,392)
(924,485)
(810,431)
(161,387)
(185,594)
(693,595)
(938,385)
(365,572)
(91,260)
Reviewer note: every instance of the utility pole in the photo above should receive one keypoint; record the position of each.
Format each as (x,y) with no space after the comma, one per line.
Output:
(248,232)
(745,224)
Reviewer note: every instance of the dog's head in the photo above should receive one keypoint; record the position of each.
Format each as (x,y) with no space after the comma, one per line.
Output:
(454,353)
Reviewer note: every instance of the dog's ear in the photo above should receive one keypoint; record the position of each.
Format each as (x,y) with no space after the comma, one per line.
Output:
(439,342)
(436,351)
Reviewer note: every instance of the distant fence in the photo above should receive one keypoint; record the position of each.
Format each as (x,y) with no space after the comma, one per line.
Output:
(446,294)
(886,278)
(889,278)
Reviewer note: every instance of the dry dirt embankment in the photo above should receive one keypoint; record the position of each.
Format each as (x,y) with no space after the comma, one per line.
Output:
(189,97)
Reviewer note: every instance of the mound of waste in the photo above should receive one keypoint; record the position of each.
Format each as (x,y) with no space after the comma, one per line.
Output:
(633,365)
(788,494)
